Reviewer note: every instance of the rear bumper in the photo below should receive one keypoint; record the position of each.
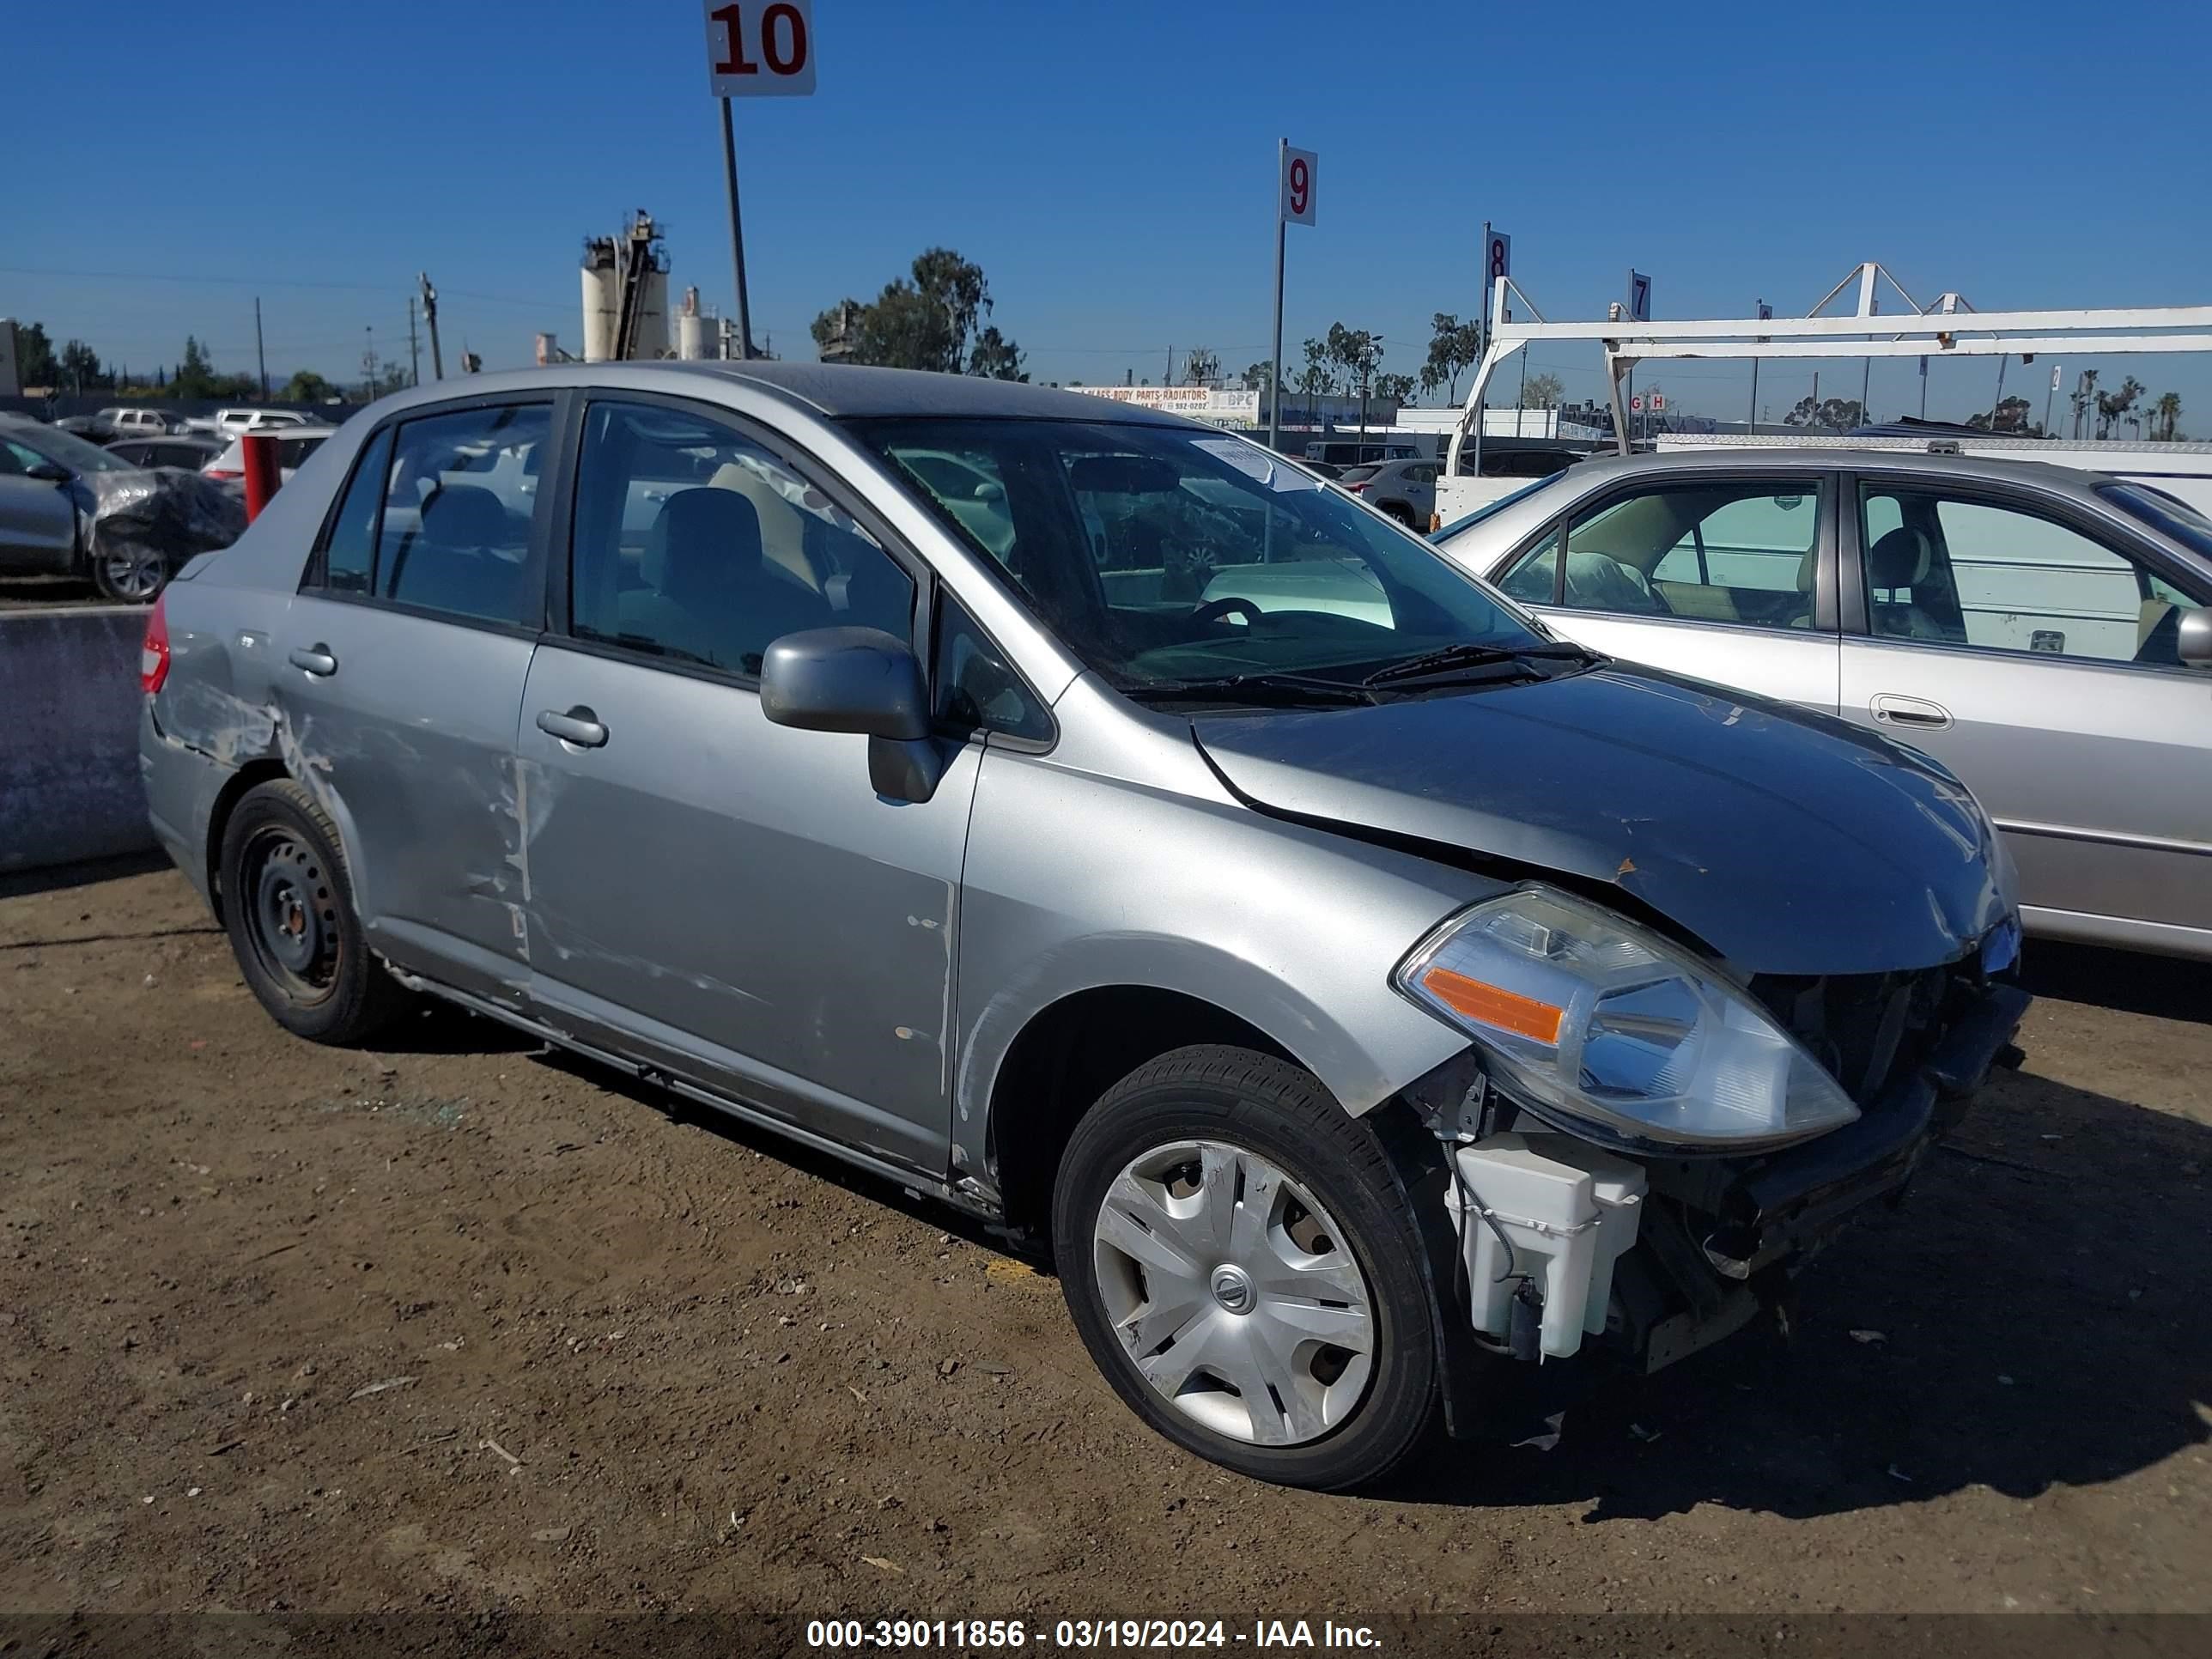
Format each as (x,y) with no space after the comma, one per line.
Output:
(181,788)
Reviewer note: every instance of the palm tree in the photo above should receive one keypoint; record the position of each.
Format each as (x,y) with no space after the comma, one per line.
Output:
(2168,411)
(2083,391)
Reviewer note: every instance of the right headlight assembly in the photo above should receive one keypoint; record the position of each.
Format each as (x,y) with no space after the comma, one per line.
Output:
(1601,1025)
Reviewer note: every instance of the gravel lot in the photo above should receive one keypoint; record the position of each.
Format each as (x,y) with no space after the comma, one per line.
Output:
(462,1325)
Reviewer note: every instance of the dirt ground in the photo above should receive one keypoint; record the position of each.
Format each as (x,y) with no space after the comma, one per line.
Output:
(463,1326)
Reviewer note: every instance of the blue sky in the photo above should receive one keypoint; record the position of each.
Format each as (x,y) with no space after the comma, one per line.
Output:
(1111,168)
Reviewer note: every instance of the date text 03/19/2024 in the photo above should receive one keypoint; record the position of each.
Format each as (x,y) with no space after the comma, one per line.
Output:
(1004,1634)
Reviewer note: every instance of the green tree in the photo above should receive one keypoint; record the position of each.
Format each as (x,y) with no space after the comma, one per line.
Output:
(1832,414)
(80,366)
(1258,377)
(1316,379)
(2168,411)
(2085,390)
(35,364)
(1201,366)
(995,357)
(2011,415)
(306,386)
(1543,391)
(1453,348)
(196,377)
(924,321)
(1397,389)
(1358,353)
(2112,407)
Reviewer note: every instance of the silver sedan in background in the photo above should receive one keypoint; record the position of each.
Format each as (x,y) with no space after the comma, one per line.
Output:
(2042,631)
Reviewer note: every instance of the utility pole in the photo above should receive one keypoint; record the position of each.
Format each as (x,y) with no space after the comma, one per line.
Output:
(260,358)
(1168,378)
(2047,397)
(368,360)
(430,321)
(414,351)
(1994,407)
(737,227)
(1275,374)
(1815,421)
(1751,425)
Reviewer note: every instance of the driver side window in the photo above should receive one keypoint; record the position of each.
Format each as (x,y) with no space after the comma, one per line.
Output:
(1978,572)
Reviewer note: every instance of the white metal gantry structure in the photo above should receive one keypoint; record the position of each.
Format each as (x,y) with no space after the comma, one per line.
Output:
(1951,328)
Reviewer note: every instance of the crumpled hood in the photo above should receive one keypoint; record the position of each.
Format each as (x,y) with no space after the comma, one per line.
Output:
(1789,843)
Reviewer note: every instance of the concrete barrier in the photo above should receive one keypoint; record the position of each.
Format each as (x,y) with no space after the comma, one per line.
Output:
(69,736)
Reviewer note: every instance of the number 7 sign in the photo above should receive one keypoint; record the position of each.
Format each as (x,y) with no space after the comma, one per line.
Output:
(1297,202)
(760,48)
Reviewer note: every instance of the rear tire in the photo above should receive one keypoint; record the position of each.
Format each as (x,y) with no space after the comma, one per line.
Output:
(287,905)
(126,574)
(1236,1254)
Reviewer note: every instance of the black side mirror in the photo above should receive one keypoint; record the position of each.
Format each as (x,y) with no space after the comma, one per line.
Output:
(860,680)
(48,472)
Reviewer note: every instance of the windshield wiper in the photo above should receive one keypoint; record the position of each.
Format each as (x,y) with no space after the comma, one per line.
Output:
(1466,655)
(1277,689)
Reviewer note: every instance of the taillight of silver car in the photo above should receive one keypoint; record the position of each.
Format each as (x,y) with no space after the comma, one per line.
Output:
(154,651)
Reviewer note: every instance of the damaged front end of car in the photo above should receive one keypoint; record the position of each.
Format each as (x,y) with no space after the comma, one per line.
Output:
(1640,1151)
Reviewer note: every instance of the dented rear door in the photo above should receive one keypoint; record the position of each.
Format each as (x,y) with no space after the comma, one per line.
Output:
(397,675)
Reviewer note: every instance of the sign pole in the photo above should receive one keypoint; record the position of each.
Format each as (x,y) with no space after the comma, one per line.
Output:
(1275,371)
(737,232)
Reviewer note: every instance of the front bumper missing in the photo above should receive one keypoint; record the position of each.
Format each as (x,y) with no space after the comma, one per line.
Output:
(1721,1238)
(1796,1198)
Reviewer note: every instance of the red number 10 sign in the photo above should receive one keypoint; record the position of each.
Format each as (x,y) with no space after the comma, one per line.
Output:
(760,48)
(1298,193)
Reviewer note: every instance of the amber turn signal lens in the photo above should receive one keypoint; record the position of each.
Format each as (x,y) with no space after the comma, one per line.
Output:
(1505,1011)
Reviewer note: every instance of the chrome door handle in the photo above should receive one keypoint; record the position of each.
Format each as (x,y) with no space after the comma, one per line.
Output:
(579,726)
(316,659)
(1893,709)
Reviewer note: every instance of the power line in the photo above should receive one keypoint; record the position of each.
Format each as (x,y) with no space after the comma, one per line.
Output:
(270,282)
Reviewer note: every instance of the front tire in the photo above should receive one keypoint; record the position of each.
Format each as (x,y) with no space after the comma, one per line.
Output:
(287,905)
(1237,1256)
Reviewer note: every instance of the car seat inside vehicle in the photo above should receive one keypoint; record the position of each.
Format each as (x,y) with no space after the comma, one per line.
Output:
(1903,600)
(710,594)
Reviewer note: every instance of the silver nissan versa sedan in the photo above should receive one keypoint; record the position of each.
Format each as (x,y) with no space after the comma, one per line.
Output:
(1354,998)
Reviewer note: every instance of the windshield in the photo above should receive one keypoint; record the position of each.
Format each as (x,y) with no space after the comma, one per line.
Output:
(2163,511)
(1164,557)
(1489,507)
(78,455)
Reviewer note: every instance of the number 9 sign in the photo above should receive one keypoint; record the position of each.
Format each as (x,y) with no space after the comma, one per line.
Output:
(1297,200)
(760,48)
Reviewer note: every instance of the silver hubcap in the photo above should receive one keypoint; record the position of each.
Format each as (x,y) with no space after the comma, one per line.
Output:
(1233,1293)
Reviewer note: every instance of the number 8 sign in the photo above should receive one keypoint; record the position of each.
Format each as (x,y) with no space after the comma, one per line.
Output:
(1297,206)
(760,48)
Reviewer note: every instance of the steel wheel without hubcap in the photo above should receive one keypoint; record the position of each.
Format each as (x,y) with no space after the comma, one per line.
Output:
(1232,1292)
(292,918)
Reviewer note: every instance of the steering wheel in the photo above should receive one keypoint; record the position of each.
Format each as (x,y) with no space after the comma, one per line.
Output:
(1215,609)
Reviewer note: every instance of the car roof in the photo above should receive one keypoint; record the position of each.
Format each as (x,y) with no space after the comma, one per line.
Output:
(837,391)
(1817,458)
(1516,516)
